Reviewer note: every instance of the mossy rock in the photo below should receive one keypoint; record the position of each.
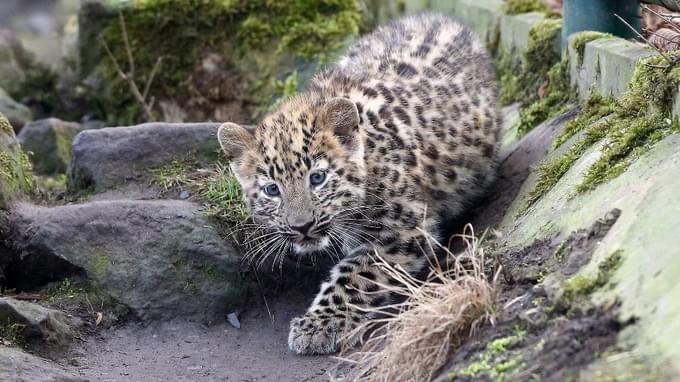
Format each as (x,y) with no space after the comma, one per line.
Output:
(48,142)
(16,177)
(220,59)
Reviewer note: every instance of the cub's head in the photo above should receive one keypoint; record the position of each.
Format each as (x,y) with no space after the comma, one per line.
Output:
(301,171)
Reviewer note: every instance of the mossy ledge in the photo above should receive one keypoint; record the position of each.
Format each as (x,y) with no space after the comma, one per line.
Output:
(540,81)
(640,118)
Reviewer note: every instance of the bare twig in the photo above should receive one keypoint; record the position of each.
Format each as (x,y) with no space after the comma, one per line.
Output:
(126,42)
(129,77)
(670,62)
(149,81)
(266,304)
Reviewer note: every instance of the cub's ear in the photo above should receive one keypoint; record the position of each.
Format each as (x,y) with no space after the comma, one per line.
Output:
(235,139)
(341,115)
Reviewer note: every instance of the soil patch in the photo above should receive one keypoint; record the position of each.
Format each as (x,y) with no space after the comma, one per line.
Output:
(183,351)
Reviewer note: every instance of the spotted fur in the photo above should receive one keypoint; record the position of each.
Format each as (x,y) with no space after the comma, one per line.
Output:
(404,132)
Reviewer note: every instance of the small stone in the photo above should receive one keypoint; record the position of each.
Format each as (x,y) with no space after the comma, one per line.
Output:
(49,141)
(184,195)
(233,320)
(38,323)
(533,316)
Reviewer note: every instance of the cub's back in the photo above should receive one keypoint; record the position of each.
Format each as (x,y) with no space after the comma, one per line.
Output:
(426,91)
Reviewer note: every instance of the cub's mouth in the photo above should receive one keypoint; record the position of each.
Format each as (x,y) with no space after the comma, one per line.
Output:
(310,244)
(316,240)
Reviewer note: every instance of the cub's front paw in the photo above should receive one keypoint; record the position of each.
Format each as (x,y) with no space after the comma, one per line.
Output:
(313,333)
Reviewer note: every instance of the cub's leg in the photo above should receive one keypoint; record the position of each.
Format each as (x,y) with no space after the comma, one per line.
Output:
(340,307)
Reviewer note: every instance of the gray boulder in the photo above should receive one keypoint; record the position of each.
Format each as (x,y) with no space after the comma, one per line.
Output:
(38,323)
(17,366)
(17,114)
(118,156)
(48,142)
(162,259)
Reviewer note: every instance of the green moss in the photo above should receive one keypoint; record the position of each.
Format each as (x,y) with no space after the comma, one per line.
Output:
(185,31)
(513,7)
(539,80)
(583,286)
(494,362)
(100,264)
(87,293)
(542,51)
(593,109)
(550,172)
(5,126)
(557,95)
(500,371)
(66,289)
(16,175)
(213,272)
(508,67)
(11,333)
(472,370)
(579,42)
(502,344)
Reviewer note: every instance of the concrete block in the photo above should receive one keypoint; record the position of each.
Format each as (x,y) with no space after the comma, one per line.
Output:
(676,103)
(515,29)
(483,16)
(608,65)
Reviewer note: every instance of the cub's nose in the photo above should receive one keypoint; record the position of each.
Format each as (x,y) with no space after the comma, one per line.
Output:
(301,227)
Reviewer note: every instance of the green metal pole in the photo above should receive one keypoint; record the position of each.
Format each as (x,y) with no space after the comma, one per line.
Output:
(598,15)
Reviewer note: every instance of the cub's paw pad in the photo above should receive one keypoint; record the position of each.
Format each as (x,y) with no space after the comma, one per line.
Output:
(314,334)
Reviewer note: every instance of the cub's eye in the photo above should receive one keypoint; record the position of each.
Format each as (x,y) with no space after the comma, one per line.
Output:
(317,177)
(272,190)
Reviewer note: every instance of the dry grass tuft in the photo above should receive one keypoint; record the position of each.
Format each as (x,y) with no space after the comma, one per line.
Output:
(412,340)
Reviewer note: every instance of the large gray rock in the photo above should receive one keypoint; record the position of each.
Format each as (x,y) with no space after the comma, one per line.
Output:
(38,323)
(113,157)
(49,142)
(17,366)
(162,259)
(17,114)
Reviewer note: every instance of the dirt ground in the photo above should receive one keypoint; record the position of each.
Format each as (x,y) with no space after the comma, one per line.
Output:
(183,351)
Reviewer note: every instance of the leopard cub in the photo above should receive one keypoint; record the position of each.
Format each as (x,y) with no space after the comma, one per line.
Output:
(401,133)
